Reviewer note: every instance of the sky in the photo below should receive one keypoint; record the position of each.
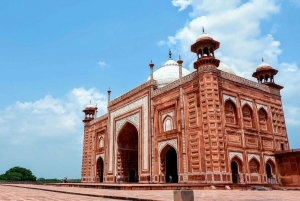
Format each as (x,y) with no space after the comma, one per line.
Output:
(56,56)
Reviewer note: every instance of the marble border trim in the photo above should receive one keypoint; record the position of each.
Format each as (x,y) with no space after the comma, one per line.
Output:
(143,101)
(233,154)
(250,156)
(225,97)
(134,119)
(243,102)
(261,106)
(172,143)
(266,158)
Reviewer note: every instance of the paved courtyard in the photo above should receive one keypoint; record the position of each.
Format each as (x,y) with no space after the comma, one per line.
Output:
(23,192)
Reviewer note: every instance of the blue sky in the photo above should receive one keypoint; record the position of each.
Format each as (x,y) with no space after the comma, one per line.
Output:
(55,56)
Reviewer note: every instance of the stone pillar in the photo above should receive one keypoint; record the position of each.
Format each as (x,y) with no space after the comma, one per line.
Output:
(213,136)
(152,123)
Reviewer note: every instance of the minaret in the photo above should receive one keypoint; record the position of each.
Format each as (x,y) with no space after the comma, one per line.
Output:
(89,112)
(212,140)
(151,70)
(265,75)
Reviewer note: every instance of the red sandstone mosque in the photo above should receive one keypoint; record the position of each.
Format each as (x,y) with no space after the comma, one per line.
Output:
(206,126)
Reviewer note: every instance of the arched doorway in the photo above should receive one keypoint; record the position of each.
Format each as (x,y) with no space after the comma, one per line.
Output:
(235,172)
(132,175)
(268,170)
(127,161)
(169,156)
(100,169)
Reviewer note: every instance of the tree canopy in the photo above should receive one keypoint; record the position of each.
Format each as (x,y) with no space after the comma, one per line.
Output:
(18,174)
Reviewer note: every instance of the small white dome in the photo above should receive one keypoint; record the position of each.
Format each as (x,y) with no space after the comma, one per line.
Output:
(225,68)
(262,64)
(167,73)
(204,35)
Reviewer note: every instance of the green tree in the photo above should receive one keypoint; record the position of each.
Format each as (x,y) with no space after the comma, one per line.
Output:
(18,174)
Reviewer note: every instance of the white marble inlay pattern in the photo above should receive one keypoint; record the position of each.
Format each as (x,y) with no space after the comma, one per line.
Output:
(263,106)
(246,102)
(266,158)
(98,156)
(225,97)
(233,154)
(250,156)
(172,143)
(134,119)
(145,148)
(171,114)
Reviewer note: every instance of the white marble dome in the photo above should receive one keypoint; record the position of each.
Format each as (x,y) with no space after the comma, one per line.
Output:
(167,73)
(225,68)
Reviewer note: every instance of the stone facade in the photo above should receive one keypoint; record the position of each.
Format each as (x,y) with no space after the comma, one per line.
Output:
(220,128)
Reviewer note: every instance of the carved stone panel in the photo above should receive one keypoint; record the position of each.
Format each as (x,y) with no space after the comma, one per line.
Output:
(172,143)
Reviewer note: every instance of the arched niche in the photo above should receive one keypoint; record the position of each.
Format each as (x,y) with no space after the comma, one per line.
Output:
(236,167)
(230,112)
(254,165)
(247,115)
(100,169)
(169,163)
(168,123)
(127,155)
(263,119)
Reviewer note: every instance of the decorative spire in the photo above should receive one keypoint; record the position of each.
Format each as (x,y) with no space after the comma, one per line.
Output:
(203,30)
(90,101)
(179,61)
(170,54)
(262,59)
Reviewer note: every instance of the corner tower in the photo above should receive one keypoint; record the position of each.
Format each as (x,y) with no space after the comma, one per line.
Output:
(265,75)
(213,157)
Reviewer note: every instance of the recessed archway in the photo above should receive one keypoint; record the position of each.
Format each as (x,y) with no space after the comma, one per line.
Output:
(128,153)
(169,163)
(235,172)
(100,169)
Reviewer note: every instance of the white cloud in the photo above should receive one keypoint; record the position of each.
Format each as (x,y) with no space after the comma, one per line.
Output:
(102,64)
(46,135)
(236,25)
(181,3)
(161,43)
(49,117)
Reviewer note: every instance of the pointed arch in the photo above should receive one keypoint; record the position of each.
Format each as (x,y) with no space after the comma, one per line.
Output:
(168,123)
(254,165)
(263,119)
(272,165)
(236,165)
(247,115)
(169,163)
(230,112)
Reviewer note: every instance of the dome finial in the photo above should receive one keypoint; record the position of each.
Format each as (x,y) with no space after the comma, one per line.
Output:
(203,30)
(262,59)
(179,56)
(90,101)
(170,54)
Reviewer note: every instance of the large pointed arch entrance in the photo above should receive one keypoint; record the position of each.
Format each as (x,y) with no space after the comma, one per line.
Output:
(127,161)
(100,169)
(168,164)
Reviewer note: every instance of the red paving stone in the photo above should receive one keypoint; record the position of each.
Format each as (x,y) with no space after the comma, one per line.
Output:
(9,192)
